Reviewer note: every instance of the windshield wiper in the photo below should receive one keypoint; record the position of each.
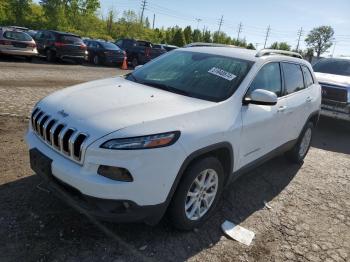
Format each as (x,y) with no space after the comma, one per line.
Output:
(168,88)
(133,77)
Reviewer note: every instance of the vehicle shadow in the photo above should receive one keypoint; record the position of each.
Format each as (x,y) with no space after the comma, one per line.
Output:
(332,135)
(35,225)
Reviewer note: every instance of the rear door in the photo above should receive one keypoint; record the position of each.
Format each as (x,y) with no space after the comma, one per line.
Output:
(298,98)
(263,125)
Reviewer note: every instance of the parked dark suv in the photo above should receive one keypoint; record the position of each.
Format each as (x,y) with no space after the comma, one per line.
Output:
(60,45)
(101,52)
(139,52)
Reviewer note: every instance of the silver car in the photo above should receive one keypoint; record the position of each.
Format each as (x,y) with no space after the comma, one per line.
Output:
(18,43)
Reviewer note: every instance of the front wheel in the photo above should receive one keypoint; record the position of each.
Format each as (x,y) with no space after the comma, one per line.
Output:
(198,194)
(301,148)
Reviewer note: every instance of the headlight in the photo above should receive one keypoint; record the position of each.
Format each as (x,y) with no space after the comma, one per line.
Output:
(143,142)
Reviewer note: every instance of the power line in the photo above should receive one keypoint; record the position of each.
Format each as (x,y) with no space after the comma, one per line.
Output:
(267,35)
(300,33)
(239,30)
(220,23)
(143,6)
(154,19)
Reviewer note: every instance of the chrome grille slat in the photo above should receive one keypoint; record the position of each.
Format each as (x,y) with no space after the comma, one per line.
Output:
(70,142)
(60,136)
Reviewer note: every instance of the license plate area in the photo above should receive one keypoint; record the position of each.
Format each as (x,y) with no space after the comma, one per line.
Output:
(40,163)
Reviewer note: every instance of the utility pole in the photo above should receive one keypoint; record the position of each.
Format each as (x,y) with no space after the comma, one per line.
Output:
(239,30)
(267,35)
(300,33)
(143,6)
(154,19)
(220,23)
(335,42)
(198,20)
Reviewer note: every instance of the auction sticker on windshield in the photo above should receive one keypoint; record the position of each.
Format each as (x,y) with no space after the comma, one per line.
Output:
(222,73)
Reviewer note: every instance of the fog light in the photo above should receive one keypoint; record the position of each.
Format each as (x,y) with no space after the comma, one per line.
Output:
(115,173)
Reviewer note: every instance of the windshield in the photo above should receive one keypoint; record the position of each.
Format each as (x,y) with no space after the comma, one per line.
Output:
(205,76)
(109,46)
(333,66)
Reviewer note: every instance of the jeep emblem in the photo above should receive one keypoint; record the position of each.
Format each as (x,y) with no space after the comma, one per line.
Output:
(62,113)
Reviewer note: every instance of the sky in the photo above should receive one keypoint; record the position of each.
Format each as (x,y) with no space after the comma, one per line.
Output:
(285,18)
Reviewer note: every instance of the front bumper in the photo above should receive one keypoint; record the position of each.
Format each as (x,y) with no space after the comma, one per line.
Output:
(337,112)
(152,181)
(104,209)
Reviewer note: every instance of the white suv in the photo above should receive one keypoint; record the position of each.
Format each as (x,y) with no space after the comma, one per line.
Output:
(172,134)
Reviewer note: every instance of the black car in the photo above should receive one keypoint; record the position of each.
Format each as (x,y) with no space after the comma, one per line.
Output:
(101,52)
(60,45)
(139,52)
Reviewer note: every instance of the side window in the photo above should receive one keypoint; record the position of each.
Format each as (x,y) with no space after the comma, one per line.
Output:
(307,76)
(268,78)
(293,76)
(119,43)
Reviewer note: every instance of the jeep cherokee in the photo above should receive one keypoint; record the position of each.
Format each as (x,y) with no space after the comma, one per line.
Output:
(170,135)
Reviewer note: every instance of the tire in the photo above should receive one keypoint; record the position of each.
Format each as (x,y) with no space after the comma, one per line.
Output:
(50,56)
(96,60)
(28,58)
(301,148)
(134,62)
(179,215)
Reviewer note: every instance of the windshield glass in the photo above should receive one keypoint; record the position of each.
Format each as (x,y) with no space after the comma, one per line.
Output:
(109,46)
(205,76)
(333,66)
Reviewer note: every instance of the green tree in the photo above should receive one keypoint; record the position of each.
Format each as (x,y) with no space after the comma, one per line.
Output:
(207,37)
(280,46)
(250,46)
(188,34)
(18,11)
(320,39)
(196,35)
(179,38)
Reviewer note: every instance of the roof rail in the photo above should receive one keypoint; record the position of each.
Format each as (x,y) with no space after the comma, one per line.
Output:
(203,44)
(264,52)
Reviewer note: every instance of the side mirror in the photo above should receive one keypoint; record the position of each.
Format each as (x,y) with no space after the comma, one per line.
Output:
(261,97)
(137,67)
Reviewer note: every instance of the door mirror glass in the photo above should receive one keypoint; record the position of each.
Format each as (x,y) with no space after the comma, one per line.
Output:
(261,97)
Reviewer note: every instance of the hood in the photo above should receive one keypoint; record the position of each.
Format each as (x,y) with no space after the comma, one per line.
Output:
(104,106)
(338,80)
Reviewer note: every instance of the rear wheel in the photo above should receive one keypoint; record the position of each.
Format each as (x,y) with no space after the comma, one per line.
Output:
(96,60)
(134,62)
(301,148)
(50,56)
(198,194)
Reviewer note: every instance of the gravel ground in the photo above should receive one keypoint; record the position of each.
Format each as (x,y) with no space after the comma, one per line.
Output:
(309,218)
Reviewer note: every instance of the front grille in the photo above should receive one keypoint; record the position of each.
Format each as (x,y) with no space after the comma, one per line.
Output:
(334,93)
(66,140)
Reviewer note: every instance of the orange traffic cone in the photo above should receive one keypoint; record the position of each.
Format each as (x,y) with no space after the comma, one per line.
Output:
(125,64)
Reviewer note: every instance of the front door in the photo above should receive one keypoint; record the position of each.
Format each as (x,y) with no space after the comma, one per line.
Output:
(263,125)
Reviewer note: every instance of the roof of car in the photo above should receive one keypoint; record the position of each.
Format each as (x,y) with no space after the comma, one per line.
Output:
(243,53)
(61,33)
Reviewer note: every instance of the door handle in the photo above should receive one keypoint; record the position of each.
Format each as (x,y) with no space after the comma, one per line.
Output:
(282,109)
(308,99)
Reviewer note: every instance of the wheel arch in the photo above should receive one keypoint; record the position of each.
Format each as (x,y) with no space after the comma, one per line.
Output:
(223,151)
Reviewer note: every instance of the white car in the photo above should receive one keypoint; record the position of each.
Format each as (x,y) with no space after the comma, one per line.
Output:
(172,134)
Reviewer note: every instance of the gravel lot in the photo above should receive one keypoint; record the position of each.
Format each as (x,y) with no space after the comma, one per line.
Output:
(309,219)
